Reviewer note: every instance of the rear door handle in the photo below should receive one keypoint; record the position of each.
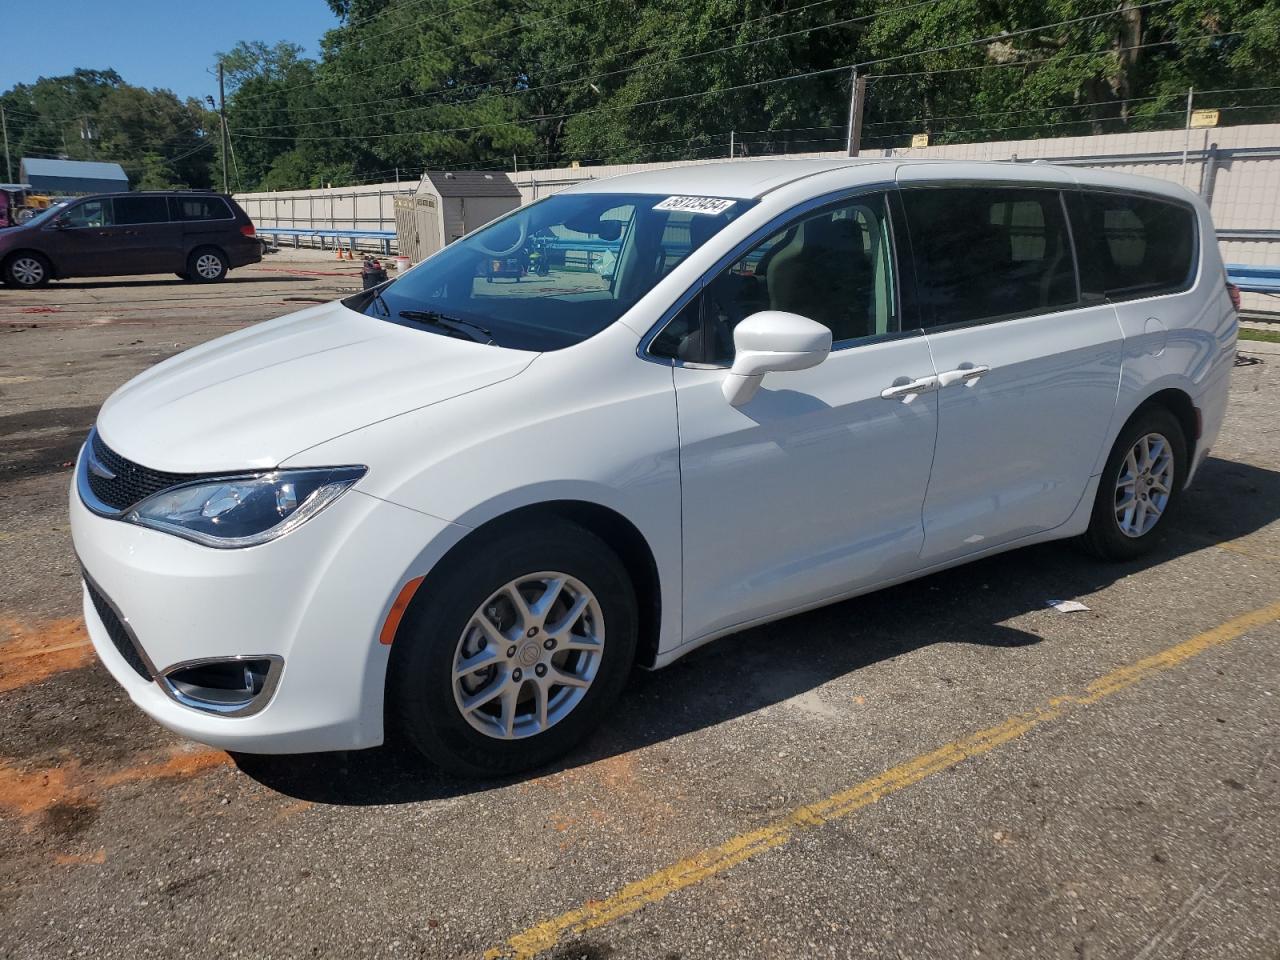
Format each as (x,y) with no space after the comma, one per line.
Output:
(966,375)
(906,392)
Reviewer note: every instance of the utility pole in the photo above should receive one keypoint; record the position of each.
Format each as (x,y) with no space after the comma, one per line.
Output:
(857,103)
(732,146)
(8,165)
(222,113)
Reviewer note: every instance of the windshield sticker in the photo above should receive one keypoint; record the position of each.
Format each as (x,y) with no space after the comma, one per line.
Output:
(711,206)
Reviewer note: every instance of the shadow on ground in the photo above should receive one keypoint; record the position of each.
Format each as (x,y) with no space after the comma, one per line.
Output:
(174,282)
(765,665)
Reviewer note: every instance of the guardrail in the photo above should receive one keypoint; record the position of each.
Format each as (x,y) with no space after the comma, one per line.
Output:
(384,238)
(1254,279)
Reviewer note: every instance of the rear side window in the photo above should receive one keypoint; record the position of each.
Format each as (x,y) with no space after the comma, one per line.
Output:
(989,253)
(1132,247)
(140,210)
(200,208)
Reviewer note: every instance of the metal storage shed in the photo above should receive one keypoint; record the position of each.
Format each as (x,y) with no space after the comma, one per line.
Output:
(448,205)
(73,176)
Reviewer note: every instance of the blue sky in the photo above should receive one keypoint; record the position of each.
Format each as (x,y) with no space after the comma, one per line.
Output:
(150,43)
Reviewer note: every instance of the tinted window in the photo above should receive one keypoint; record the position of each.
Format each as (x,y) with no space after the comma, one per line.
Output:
(834,266)
(140,210)
(200,208)
(1132,246)
(989,253)
(89,213)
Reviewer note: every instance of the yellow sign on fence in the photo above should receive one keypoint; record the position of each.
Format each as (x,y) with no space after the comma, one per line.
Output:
(920,140)
(1204,118)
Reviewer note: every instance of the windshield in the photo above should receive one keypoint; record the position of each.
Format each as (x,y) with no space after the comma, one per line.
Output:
(47,214)
(553,273)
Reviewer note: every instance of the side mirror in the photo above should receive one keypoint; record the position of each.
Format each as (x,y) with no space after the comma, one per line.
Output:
(768,341)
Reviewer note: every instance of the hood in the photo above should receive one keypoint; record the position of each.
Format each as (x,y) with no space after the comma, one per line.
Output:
(264,394)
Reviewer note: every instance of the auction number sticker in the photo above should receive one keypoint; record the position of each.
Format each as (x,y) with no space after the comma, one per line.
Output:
(711,206)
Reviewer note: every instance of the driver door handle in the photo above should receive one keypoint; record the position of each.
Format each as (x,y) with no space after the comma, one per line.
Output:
(906,392)
(966,375)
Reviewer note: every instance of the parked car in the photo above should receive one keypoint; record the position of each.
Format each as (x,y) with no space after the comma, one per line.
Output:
(470,508)
(199,236)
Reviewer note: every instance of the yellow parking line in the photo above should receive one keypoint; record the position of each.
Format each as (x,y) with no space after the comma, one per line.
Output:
(715,860)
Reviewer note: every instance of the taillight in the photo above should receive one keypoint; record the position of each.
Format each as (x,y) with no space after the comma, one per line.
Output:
(1234,292)
(248,231)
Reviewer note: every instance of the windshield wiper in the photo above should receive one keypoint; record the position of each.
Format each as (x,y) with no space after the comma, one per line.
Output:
(455,324)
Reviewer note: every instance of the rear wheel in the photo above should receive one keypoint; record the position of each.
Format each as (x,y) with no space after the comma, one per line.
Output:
(207,265)
(1140,485)
(26,270)
(515,651)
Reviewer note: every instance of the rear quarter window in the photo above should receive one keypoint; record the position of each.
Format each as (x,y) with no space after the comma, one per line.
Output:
(200,208)
(1131,246)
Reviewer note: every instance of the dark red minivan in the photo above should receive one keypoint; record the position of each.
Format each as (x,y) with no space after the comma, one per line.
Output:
(197,235)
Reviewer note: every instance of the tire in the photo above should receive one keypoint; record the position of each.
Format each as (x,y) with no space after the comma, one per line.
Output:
(427,707)
(26,270)
(1113,535)
(207,265)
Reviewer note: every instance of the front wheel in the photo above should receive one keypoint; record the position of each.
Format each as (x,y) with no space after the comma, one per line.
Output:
(515,651)
(26,271)
(1140,485)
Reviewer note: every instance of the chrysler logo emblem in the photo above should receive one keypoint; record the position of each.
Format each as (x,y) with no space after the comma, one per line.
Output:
(98,468)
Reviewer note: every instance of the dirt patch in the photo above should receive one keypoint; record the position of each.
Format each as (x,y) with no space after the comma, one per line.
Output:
(30,654)
(96,858)
(62,799)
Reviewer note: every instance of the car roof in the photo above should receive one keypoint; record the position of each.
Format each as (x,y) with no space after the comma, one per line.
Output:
(752,179)
(153,193)
(740,179)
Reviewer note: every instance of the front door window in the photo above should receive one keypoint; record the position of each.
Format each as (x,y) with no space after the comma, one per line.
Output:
(834,266)
(90,213)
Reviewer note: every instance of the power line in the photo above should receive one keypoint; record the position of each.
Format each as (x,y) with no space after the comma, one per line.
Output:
(1008,34)
(1074,56)
(488,36)
(520,77)
(383,12)
(433,19)
(601,76)
(744,86)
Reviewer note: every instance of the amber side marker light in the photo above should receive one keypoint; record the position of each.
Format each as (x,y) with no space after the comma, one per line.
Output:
(392,623)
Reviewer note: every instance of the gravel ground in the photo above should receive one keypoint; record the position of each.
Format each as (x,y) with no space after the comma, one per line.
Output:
(1137,819)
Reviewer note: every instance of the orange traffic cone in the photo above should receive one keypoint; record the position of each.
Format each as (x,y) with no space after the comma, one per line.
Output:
(350,255)
(338,251)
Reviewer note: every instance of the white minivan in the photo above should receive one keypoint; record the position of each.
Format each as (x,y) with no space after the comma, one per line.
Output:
(633,417)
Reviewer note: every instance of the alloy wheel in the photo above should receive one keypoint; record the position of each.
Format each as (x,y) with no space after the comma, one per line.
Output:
(28,271)
(1144,485)
(209,266)
(528,655)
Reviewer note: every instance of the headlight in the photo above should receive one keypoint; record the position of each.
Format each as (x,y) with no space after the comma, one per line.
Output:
(244,511)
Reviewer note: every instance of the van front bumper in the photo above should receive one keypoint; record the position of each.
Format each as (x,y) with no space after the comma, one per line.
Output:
(312,602)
